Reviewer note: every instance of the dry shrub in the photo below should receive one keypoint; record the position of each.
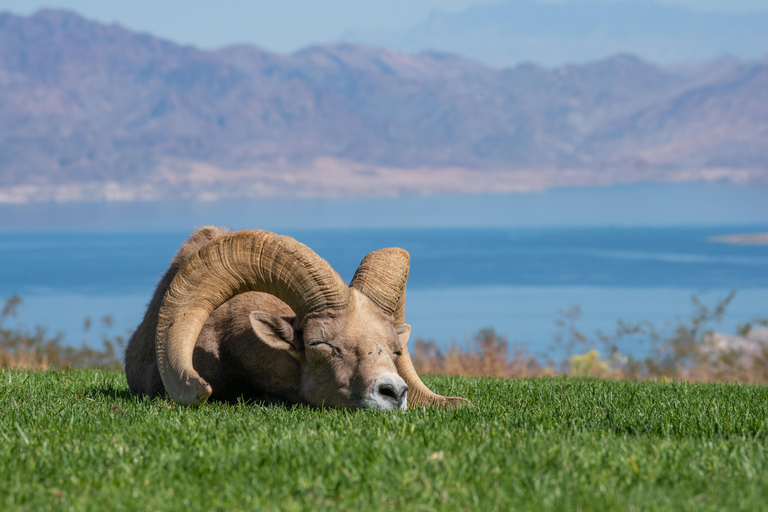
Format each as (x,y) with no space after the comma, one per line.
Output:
(589,364)
(485,354)
(742,358)
(36,350)
(682,350)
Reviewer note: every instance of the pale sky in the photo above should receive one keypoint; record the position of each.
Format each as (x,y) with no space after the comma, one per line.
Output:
(286,25)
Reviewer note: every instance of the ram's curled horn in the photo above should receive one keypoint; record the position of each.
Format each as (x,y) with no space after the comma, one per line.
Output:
(382,277)
(251,260)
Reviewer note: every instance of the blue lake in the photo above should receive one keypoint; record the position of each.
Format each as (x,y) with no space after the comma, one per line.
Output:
(512,279)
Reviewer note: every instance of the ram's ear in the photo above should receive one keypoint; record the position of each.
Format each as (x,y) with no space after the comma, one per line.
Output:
(274,332)
(403,333)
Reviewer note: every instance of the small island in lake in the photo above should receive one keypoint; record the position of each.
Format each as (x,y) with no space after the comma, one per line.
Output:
(741,239)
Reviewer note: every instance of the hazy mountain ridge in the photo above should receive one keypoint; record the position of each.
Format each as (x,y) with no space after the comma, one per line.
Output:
(513,31)
(91,112)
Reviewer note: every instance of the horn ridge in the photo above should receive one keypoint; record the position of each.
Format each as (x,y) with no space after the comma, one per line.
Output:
(382,277)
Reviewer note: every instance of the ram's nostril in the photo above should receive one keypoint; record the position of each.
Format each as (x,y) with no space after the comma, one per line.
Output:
(388,390)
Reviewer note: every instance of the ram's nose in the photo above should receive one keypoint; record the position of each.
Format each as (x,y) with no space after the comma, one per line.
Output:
(391,392)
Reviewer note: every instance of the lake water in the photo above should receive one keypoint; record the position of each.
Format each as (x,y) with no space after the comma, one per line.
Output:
(512,279)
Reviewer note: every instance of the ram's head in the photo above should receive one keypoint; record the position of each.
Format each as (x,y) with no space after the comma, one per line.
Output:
(346,345)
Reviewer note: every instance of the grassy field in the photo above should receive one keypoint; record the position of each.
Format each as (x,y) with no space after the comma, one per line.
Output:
(78,440)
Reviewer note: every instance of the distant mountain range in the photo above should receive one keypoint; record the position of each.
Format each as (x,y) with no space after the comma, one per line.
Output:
(509,32)
(91,112)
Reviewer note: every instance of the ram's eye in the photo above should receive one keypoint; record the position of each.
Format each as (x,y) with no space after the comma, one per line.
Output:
(397,352)
(324,345)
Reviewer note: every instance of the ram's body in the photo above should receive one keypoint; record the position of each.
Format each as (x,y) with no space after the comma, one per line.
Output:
(233,360)
(338,345)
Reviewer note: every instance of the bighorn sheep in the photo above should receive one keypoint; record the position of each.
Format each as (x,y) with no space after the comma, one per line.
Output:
(255,314)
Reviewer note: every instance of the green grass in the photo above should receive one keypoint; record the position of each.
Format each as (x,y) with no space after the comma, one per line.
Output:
(78,440)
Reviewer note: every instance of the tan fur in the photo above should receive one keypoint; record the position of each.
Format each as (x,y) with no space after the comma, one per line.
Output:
(140,360)
(330,360)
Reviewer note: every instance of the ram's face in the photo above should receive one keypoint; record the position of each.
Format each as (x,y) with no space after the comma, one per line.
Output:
(349,361)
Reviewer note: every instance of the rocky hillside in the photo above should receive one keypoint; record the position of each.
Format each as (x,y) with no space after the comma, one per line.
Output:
(96,112)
